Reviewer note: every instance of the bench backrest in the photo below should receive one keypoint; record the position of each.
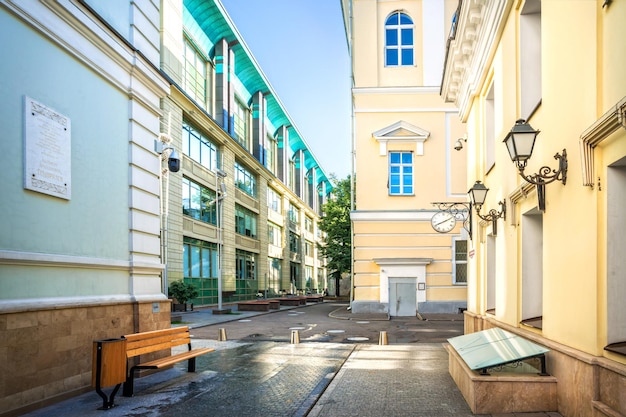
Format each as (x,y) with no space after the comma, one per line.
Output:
(156,340)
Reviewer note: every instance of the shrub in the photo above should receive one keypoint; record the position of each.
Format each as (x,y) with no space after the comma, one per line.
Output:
(182,291)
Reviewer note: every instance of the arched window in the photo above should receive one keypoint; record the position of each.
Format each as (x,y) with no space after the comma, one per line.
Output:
(398,40)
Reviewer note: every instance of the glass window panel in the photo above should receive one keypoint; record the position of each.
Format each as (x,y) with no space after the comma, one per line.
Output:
(392,37)
(392,57)
(461,273)
(461,250)
(394,157)
(407,189)
(206,262)
(407,36)
(407,157)
(393,19)
(407,179)
(214,264)
(194,149)
(395,190)
(186,269)
(405,19)
(195,261)
(407,57)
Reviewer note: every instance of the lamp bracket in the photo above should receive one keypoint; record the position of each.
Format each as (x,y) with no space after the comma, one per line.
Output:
(546,175)
(493,215)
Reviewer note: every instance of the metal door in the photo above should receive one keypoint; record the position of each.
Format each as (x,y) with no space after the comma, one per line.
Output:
(402,298)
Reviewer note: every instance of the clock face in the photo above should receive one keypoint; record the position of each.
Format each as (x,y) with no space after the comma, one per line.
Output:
(443,221)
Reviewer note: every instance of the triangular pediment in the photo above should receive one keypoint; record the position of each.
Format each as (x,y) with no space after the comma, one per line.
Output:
(401,132)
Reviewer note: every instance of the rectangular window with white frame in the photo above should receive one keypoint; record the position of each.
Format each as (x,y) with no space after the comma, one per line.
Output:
(274,235)
(459,257)
(241,120)
(197,75)
(273,200)
(199,147)
(401,173)
(245,221)
(245,180)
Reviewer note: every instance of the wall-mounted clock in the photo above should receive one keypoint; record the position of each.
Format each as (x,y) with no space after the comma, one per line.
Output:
(443,221)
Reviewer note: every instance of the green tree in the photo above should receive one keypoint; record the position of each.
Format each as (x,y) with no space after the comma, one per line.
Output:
(336,243)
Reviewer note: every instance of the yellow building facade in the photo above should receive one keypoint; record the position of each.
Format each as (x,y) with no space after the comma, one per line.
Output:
(555,271)
(404,160)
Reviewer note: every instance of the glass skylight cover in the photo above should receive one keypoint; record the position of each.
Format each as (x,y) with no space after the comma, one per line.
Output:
(494,347)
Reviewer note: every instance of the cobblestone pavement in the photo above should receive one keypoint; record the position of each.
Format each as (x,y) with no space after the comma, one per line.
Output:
(337,370)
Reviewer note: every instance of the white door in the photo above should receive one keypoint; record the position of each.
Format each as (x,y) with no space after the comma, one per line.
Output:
(402,297)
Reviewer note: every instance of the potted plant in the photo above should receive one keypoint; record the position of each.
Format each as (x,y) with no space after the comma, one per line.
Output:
(182,292)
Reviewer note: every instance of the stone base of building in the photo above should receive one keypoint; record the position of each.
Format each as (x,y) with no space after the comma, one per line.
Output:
(442,307)
(499,394)
(369,307)
(428,307)
(587,385)
(47,351)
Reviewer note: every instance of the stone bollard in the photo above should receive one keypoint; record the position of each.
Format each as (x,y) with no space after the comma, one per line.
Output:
(222,335)
(382,339)
(295,337)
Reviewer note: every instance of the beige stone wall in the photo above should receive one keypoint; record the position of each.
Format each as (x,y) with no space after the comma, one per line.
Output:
(46,355)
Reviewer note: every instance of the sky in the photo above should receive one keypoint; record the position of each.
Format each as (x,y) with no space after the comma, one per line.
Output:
(301,48)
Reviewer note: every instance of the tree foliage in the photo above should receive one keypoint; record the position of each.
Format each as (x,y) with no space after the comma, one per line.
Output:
(335,223)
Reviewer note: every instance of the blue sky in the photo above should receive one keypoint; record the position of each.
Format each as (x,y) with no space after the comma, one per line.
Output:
(301,47)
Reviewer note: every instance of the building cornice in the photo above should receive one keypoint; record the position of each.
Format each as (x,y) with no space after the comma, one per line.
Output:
(470,50)
(392,215)
(395,90)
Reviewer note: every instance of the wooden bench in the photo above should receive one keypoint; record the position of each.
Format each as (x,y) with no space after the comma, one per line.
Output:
(138,344)
(258,305)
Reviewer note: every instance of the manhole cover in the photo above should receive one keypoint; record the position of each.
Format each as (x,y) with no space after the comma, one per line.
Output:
(358,339)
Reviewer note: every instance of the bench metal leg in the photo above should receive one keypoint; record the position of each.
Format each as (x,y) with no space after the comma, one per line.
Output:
(129,384)
(107,402)
(191,365)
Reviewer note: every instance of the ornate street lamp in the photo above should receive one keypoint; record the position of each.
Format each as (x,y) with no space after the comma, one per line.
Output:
(478,194)
(520,142)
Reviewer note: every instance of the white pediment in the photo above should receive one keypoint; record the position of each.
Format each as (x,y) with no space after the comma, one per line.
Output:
(401,132)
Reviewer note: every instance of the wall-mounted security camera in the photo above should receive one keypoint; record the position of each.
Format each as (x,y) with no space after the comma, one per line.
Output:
(173,162)
(459,143)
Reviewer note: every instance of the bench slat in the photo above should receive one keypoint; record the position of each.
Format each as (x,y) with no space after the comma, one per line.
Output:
(171,360)
(153,333)
(142,350)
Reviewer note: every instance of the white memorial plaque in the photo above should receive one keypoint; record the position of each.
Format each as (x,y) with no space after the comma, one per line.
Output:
(47,150)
